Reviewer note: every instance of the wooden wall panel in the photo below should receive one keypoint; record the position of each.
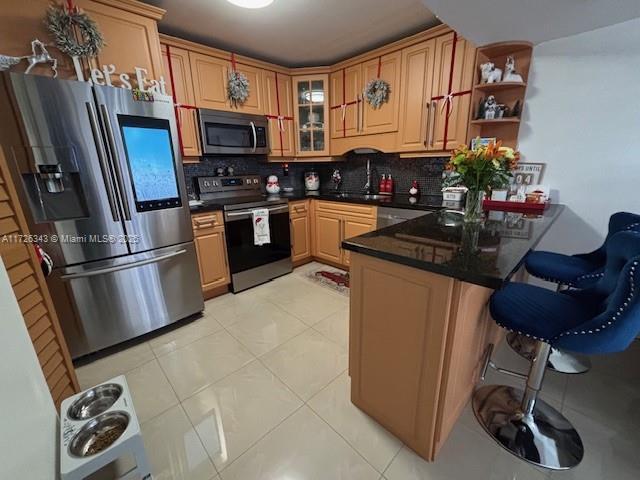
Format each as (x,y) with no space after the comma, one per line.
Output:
(31,291)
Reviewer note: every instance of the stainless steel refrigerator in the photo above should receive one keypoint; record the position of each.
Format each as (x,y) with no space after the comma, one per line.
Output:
(99,175)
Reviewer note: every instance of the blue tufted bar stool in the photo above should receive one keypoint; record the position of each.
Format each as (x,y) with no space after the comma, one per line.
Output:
(604,318)
(570,271)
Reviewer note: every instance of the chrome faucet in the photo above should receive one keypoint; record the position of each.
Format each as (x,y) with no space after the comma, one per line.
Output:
(368,189)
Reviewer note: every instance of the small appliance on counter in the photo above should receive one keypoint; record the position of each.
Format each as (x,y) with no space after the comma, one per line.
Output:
(311,181)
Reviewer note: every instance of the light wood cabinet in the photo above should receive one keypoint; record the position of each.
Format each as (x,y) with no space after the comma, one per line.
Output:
(210,75)
(131,37)
(210,242)
(385,118)
(187,118)
(345,86)
(415,96)
(311,112)
(278,98)
(337,221)
(462,80)
(415,376)
(300,218)
(209,81)
(426,73)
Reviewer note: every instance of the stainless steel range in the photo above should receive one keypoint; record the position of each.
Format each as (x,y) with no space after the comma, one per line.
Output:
(250,264)
(99,176)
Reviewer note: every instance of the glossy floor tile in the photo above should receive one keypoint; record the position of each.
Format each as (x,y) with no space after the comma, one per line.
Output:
(184,334)
(113,365)
(174,449)
(202,362)
(335,327)
(258,388)
(235,412)
(262,331)
(307,363)
(301,447)
(333,405)
(150,390)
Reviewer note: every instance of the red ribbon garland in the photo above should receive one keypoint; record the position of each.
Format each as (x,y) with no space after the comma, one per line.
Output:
(233,62)
(280,118)
(176,106)
(379,66)
(448,98)
(345,104)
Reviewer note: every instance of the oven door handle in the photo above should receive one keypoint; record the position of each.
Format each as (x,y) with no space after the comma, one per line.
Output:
(230,215)
(255,136)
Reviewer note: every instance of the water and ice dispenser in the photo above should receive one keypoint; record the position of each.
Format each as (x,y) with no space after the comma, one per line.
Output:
(51,178)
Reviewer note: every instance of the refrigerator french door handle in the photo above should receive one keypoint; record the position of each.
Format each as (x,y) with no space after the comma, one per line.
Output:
(102,158)
(255,136)
(116,163)
(117,268)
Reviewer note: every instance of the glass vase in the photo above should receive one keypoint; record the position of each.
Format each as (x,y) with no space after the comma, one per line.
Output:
(473,208)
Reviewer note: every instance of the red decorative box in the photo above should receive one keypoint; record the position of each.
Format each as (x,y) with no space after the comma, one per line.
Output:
(520,207)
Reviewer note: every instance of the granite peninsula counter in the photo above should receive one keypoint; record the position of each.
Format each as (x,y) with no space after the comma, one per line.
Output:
(419,328)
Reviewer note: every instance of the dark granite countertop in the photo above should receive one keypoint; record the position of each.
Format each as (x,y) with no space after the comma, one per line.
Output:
(484,254)
(423,202)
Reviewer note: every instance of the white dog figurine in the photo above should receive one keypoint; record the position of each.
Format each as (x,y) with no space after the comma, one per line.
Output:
(510,74)
(490,74)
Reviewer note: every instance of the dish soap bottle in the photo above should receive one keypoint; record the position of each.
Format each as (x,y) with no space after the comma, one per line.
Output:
(383,184)
(389,188)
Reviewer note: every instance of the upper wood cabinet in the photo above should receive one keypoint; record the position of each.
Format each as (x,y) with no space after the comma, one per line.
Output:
(415,95)
(131,37)
(462,80)
(278,99)
(345,86)
(210,75)
(426,73)
(311,112)
(187,118)
(385,118)
(209,81)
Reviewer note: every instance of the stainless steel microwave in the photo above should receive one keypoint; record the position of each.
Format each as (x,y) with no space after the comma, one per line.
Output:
(232,133)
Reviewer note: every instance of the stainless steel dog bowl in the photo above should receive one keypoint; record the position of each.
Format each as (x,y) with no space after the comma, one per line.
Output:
(98,434)
(95,401)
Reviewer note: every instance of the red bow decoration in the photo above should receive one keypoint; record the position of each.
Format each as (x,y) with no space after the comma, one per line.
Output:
(176,106)
(343,106)
(279,117)
(448,98)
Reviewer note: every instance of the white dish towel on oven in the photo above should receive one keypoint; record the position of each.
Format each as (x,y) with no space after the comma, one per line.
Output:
(261,233)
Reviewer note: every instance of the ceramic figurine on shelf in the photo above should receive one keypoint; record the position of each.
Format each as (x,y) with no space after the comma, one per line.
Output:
(273,185)
(490,74)
(490,108)
(413,191)
(510,74)
(336,178)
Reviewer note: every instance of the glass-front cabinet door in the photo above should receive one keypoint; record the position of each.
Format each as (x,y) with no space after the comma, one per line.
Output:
(311,101)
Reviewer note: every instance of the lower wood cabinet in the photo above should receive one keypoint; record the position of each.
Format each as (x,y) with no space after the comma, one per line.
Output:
(337,221)
(300,219)
(208,230)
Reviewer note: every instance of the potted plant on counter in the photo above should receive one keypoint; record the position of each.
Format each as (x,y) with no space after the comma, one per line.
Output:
(480,169)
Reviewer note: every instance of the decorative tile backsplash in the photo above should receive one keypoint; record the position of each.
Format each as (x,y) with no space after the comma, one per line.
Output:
(427,171)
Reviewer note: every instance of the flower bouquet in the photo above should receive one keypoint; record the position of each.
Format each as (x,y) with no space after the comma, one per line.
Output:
(480,169)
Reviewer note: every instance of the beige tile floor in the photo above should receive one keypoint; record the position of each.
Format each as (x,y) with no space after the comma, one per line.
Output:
(257,389)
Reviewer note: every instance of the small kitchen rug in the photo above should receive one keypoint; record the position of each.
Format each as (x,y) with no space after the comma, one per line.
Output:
(333,278)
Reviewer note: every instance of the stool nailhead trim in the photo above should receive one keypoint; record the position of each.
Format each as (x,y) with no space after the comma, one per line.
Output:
(618,313)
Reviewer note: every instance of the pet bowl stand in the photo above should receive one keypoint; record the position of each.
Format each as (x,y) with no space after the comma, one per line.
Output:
(74,467)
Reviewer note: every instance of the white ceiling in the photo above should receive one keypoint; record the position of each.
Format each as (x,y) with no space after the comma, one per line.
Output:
(488,21)
(295,33)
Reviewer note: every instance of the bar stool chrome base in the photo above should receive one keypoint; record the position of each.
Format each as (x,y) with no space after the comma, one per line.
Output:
(559,360)
(544,438)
